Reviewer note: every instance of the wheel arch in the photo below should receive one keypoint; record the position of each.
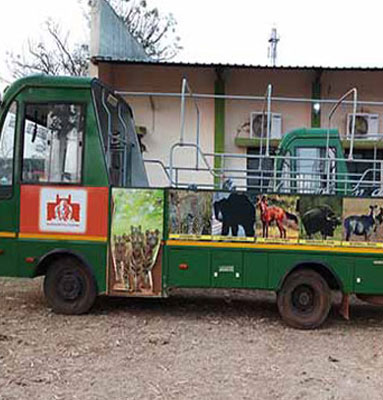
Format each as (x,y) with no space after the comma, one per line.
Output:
(322,268)
(47,259)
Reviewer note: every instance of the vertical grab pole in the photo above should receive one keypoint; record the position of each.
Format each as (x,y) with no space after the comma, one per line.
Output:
(267,102)
(186,89)
(182,127)
(351,153)
(126,143)
(108,155)
(197,139)
(171,166)
(269,90)
(353,91)
(182,133)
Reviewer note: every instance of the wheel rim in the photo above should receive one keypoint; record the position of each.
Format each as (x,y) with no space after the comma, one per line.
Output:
(70,285)
(303,299)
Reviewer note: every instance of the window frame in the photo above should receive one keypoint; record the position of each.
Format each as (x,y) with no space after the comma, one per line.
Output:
(8,194)
(97,85)
(83,106)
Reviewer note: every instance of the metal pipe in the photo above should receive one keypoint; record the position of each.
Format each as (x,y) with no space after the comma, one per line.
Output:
(375,164)
(176,145)
(350,154)
(331,113)
(186,91)
(108,155)
(266,101)
(124,176)
(278,157)
(269,90)
(246,98)
(162,165)
(183,90)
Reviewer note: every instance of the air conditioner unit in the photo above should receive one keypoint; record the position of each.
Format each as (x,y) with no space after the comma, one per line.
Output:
(256,120)
(366,125)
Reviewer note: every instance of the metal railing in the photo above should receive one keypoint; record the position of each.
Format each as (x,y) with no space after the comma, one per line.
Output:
(269,172)
(274,179)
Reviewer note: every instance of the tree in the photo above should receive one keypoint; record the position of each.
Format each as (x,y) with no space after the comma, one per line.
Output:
(156,32)
(54,54)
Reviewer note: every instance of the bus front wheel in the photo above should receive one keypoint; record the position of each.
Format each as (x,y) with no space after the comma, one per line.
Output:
(304,300)
(69,286)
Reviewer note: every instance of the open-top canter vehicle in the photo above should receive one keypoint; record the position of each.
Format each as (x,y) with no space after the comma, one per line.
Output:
(75,206)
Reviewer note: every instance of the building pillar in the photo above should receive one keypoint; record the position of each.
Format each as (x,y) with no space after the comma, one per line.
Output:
(316,88)
(219,122)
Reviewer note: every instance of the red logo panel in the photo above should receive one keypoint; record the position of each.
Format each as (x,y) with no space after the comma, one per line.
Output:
(64,210)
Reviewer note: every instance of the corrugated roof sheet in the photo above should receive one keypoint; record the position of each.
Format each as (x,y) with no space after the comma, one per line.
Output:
(98,59)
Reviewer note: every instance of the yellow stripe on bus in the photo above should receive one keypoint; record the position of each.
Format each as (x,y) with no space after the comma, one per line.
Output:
(7,234)
(62,237)
(334,249)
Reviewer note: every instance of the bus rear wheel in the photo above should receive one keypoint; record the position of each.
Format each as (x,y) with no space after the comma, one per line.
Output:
(69,286)
(304,300)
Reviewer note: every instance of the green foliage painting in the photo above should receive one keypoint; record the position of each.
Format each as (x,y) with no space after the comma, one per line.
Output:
(134,207)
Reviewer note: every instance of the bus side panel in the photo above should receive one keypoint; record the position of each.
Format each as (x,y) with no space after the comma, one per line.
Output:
(62,218)
(94,254)
(343,267)
(255,269)
(8,266)
(280,263)
(193,266)
(189,267)
(368,277)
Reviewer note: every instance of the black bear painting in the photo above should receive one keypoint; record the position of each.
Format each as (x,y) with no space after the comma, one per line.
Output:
(234,212)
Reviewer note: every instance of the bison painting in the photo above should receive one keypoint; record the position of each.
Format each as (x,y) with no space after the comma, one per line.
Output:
(320,219)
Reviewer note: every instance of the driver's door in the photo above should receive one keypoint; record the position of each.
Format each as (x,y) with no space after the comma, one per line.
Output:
(9,192)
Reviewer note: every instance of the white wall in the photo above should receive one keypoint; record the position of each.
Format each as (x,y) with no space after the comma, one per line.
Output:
(370,88)
(161,115)
(289,83)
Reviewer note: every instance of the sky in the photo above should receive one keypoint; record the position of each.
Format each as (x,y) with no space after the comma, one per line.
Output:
(312,32)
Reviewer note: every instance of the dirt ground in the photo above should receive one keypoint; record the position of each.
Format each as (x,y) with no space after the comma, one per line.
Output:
(194,345)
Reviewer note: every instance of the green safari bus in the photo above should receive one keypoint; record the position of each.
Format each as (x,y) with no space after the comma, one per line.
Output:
(76,207)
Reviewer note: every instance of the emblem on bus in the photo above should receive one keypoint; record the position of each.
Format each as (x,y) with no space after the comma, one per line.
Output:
(63,210)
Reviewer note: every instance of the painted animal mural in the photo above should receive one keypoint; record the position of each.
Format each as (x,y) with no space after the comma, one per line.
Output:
(361,225)
(237,210)
(270,214)
(152,238)
(134,258)
(120,258)
(320,219)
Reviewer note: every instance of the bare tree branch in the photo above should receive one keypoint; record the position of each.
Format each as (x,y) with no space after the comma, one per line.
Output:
(53,55)
(155,31)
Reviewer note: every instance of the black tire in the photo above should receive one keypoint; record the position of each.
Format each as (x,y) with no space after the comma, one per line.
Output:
(304,300)
(69,286)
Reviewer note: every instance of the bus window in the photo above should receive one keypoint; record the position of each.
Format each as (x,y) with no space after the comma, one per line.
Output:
(53,138)
(7,140)
(311,169)
(286,173)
